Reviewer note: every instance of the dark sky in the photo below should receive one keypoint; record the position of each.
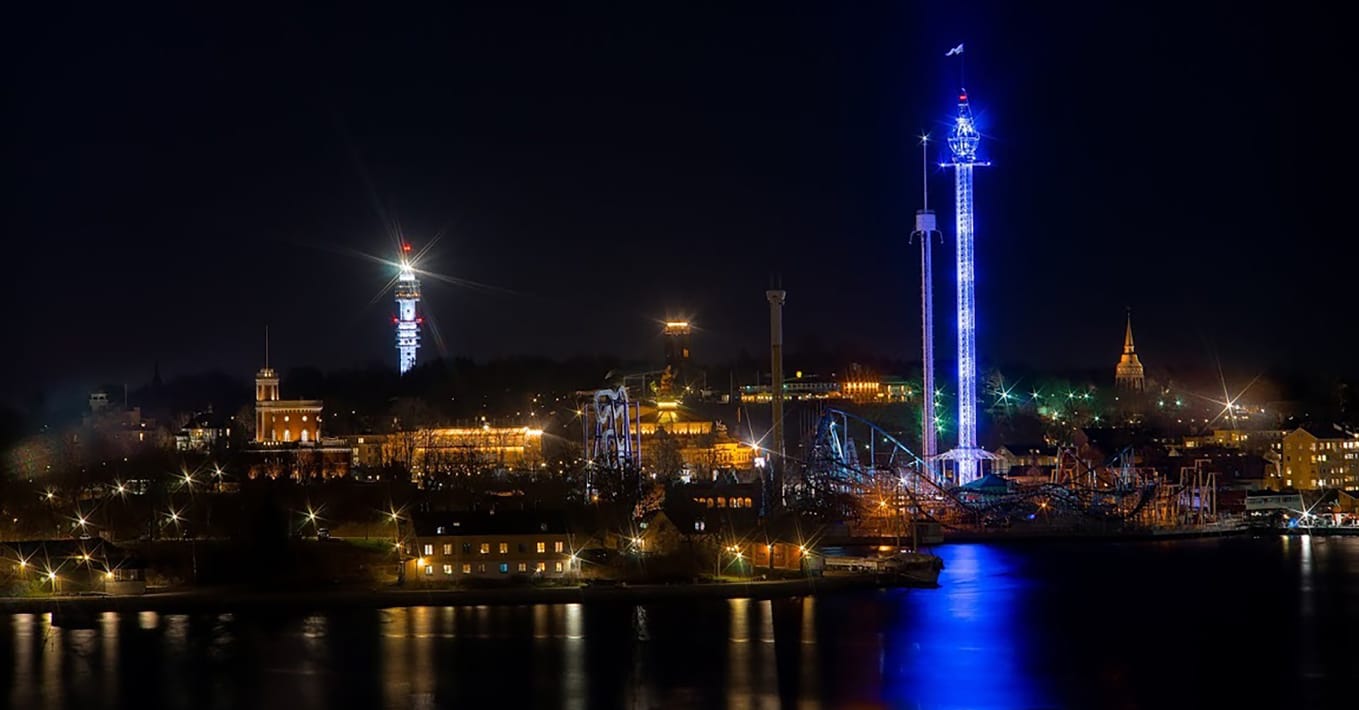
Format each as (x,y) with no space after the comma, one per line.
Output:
(183,178)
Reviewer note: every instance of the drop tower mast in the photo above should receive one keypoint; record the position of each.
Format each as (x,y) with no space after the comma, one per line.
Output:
(962,143)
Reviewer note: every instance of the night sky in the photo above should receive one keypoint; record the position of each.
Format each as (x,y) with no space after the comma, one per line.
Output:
(181,180)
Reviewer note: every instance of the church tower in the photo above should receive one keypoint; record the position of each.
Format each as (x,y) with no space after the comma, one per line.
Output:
(1128,375)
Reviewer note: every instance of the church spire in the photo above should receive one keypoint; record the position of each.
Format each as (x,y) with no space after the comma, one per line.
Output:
(1127,338)
(1128,374)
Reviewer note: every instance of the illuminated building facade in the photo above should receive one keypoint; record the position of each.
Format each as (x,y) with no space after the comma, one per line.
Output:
(703,446)
(283,421)
(1318,457)
(465,450)
(860,390)
(407,321)
(450,546)
(962,142)
(1258,441)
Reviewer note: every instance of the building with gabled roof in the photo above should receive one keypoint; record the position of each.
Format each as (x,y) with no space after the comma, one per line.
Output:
(1317,456)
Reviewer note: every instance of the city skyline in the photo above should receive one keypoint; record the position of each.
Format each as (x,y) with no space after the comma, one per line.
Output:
(187,190)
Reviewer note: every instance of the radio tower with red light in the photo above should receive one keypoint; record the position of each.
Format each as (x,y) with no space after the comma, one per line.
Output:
(406,320)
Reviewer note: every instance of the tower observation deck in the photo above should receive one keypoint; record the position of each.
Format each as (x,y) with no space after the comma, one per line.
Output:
(407,321)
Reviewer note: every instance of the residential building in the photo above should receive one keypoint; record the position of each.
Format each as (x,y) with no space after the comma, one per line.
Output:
(68,566)
(1025,456)
(453,546)
(1319,457)
(203,433)
(1257,441)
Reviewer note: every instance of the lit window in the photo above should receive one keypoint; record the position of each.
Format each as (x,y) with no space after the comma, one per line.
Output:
(504,547)
(558,546)
(504,568)
(287,434)
(429,570)
(429,550)
(542,547)
(448,548)
(485,548)
(523,567)
(285,417)
(542,566)
(304,436)
(448,569)
(439,530)
(557,566)
(304,417)
(467,569)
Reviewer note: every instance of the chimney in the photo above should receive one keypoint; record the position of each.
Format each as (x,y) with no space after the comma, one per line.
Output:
(774,493)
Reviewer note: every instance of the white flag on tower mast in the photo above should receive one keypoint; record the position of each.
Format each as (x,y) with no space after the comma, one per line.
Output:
(955,50)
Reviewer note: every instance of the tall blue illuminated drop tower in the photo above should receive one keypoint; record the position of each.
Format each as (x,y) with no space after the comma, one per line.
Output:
(406,320)
(962,143)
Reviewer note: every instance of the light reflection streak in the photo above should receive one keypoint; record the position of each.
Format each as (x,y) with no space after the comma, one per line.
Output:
(960,646)
(574,682)
(21,689)
(108,632)
(810,666)
(53,694)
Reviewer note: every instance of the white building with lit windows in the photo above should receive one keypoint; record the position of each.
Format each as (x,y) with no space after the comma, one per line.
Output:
(521,544)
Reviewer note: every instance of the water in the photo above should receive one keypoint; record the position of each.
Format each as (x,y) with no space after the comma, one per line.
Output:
(1265,622)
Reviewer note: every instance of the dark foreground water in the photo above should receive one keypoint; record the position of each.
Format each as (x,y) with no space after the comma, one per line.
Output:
(1234,623)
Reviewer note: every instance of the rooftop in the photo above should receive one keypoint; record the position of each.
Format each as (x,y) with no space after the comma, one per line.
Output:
(480,522)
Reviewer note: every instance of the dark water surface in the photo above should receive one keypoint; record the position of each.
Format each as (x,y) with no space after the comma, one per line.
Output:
(1237,623)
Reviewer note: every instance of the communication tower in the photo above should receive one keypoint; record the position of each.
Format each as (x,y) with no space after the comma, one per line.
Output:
(406,320)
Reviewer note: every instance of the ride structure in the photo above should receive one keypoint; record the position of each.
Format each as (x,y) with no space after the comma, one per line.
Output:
(926,229)
(613,442)
(963,141)
(865,475)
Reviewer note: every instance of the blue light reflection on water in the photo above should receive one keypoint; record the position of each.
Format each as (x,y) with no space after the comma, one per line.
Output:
(1246,622)
(966,644)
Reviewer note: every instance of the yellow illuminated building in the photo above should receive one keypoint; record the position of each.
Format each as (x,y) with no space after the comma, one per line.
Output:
(859,391)
(1314,457)
(702,445)
(465,449)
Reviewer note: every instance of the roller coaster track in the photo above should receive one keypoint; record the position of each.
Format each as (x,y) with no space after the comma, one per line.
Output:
(835,467)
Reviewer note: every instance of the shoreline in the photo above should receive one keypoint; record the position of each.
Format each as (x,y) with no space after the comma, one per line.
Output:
(1067,537)
(237,600)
